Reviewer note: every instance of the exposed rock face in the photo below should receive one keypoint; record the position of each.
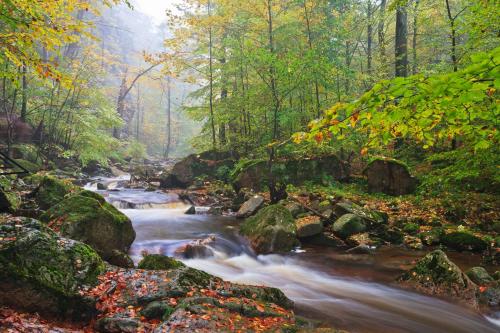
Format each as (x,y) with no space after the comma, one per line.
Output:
(52,191)
(87,217)
(40,271)
(208,164)
(250,207)
(349,224)
(308,226)
(436,275)
(271,230)
(390,177)
(255,174)
(159,262)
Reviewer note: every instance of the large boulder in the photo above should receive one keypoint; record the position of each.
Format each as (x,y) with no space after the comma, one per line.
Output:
(372,218)
(9,199)
(87,217)
(208,164)
(40,271)
(464,241)
(272,229)
(389,176)
(437,275)
(251,206)
(349,224)
(51,191)
(255,174)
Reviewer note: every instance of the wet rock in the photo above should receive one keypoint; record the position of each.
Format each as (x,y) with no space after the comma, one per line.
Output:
(250,207)
(413,243)
(40,271)
(117,324)
(51,191)
(464,241)
(9,199)
(87,217)
(479,276)
(362,239)
(215,211)
(436,275)
(101,186)
(199,248)
(361,249)
(159,262)
(271,230)
(308,226)
(371,217)
(490,295)
(389,176)
(156,310)
(349,224)
(324,239)
(191,211)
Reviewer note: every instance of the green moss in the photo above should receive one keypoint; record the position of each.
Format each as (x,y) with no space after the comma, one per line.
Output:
(464,241)
(31,167)
(388,159)
(349,224)
(159,262)
(411,228)
(93,195)
(272,229)
(52,191)
(243,165)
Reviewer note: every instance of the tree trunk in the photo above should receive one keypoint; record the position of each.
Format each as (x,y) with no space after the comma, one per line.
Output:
(414,41)
(401,44)
(453,36)
(381,32)
(211,74)
(369,38)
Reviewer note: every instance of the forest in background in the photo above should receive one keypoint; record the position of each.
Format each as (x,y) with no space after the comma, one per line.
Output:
(415,80)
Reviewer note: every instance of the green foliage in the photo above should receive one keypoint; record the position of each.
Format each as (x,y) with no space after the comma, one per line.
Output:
(135,150)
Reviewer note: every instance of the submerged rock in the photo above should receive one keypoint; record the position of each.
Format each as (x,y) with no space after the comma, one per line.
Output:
(390,177)
(271,230)
(87,217)
(251,206)
(349,224)
(40,271)
(437,275)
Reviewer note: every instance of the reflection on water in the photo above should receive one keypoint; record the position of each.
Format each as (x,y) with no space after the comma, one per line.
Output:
(351,292)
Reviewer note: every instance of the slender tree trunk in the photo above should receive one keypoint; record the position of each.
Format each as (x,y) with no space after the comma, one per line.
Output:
(401,44)
(381,33)
(453,36)
(272,70)
(211,74)
(169,117)
(24,102)
(311,48)
(415,35)
(369,42)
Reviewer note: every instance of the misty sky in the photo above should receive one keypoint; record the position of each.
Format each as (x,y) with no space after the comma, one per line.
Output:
(155,8)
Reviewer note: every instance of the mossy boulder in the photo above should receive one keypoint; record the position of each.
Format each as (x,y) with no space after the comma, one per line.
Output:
(52,191)
(87,217)
(255,174)
(389,176)
(27,165)
(371,217)
(464,241)
(479,276)
(308,226)
(159,262)
(157,310)
(349,224)
(41,271)
(435,274)
(9,199)
(272,229)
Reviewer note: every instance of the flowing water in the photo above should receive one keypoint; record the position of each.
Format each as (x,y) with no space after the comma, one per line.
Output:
(352,292)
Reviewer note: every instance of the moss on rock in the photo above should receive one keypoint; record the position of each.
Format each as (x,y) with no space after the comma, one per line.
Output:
(93,221)
(159,262)
(40,270)
(349,224)
(51,191)
(272,229)
(464,241)
(9,199)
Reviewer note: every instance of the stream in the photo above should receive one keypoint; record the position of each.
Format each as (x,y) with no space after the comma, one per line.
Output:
(351,292)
